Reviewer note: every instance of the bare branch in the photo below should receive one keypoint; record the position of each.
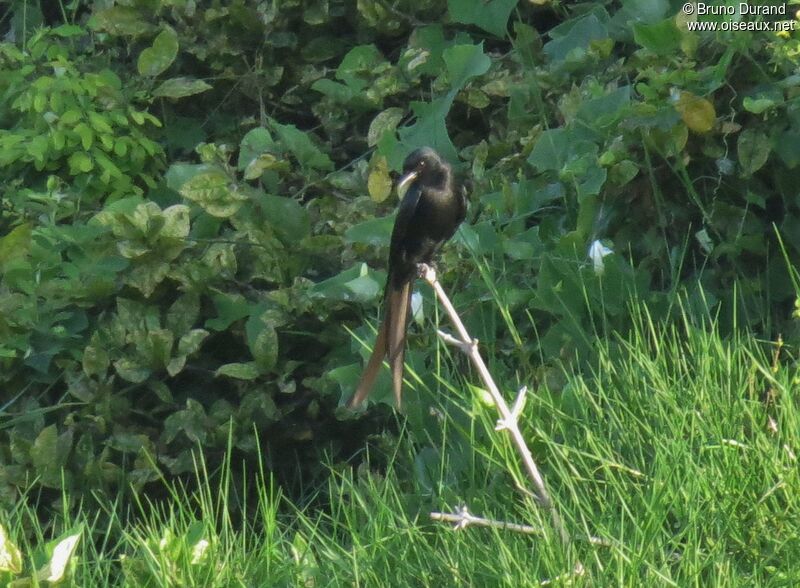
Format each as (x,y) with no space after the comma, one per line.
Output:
(462,518)
(508,418)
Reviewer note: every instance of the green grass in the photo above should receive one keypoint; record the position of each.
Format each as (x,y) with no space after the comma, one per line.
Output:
(669,451)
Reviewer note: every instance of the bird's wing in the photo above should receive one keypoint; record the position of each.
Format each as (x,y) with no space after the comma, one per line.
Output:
(405,212)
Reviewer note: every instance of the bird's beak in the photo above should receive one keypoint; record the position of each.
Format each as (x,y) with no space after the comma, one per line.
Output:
(405,182)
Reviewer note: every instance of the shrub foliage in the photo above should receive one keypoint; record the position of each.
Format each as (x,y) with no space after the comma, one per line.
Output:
(191,194)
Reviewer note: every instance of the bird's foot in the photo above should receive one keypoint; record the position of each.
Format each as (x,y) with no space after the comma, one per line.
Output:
(427,271)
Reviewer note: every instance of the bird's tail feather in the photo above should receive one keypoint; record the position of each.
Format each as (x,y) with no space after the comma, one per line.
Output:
(391,342)
(399,303)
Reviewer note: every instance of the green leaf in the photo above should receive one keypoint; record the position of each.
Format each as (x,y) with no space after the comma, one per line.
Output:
(550,150)
(161,390)
(230,308)
(426,46)
(384,122)
(753,148)
(591,181)
(374,232)
(359,61)
(430,128)
(108,166)
(214,192)
(67,31)
(183,313)
(95,360)
(176,222)
(623,172)
(180,88)
(763,98)
(157,347)
(302,147)
(336,91)
(148,275)
(256,142)
(131,371)
(190,421)
(191,341)
(787,146)
(479,159)
(180,173)
(490,15)
(38,148)
(573,38)
(128,442)
(464,62)
(239,371)
(187,345)
(287,216)
(320,48)
(605,111)
(477,98)
(176,365)
(262,340)
(44,455)
(355,284)
(120,20)
(262,163)
(663,38)
(15,245)
(156,59)
(259,408)
(100,123)
(80,163)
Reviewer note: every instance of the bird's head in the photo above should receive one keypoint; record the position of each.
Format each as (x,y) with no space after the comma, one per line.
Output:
(425,166)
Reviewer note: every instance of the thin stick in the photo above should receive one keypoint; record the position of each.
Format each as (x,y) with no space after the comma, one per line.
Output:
(462,518)
(508,420)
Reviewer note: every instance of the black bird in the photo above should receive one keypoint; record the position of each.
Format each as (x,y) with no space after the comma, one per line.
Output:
(430,212)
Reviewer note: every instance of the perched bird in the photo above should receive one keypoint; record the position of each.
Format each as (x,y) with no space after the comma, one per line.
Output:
(431,210)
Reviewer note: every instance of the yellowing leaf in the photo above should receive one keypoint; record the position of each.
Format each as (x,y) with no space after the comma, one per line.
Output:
(262,163)
(15,244)
(214,192)
(379,183)
(10,556)
(697,113)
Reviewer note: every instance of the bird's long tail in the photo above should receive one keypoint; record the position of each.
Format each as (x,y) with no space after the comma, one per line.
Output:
(390,342)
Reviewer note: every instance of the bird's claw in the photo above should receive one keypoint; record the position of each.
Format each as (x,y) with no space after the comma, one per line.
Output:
(427,271)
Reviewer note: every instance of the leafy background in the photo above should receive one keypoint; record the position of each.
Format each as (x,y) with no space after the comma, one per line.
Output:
(196,204)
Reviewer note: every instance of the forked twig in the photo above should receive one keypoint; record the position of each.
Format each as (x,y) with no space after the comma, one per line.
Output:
(508,417)
(462,518)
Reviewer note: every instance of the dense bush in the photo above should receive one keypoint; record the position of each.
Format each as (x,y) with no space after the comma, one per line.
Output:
(143,313)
